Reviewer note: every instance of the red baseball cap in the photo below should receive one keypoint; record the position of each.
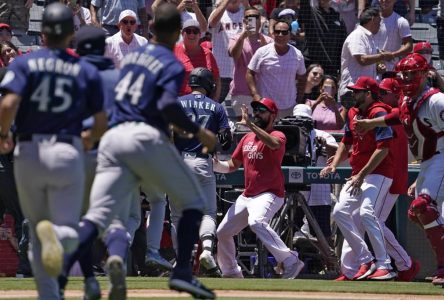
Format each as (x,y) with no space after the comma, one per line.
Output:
(268,103)
(390,85)
(365,83)
(5,26)
(421,46)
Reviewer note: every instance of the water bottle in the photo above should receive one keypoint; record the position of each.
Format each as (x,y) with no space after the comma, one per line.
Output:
(294,27)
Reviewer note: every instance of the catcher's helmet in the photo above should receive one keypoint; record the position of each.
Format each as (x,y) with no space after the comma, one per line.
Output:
(201,77)
(57,20)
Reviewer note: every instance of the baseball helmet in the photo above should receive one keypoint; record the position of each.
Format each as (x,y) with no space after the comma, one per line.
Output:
(57,20)
(412,63)
(201,77)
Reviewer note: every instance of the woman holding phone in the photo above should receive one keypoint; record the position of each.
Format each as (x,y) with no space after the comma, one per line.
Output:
(315,73)
(327,113)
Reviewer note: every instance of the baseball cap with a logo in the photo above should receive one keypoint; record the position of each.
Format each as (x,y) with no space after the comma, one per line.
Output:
(267,103)
(90,40)
(365,83)
(423,47)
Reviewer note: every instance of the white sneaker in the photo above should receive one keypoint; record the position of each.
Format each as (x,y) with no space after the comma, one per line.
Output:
(52,250)
(116,274)
(292,271)
(207,261)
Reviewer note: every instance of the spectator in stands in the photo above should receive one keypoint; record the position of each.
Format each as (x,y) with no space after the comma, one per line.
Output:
(110,12)
(5,32)
(225,22)
(273,70)
(325,33)
(394,35)
(8,52)
(327,113)
(241,49)
(189,9)
(359,54)
(16,14)
(297,37)
(426,50)
(404,8)
(192,55)
(286,4)
(82,16)
(126,40)
(348,13)
(315,73)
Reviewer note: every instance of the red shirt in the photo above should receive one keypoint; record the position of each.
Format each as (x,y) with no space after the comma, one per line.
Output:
(204,59)
(364,144)
(262,165)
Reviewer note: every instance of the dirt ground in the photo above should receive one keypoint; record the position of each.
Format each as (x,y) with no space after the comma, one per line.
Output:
(242,294)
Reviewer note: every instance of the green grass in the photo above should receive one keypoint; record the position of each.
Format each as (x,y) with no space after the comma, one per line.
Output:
(412,288)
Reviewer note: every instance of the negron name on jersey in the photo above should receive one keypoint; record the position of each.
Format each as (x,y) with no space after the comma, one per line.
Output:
(55,65)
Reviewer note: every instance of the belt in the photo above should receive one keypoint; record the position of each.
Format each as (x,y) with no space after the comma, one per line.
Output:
(186,154)
(27,137)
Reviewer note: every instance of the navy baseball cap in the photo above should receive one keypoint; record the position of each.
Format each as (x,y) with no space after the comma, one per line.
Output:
(90,40)
(267,103)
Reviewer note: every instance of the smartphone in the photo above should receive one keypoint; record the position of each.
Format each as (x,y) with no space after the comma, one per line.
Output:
(251,24)
(328,89)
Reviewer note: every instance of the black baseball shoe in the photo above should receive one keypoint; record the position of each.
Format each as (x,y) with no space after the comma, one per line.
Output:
(193,287)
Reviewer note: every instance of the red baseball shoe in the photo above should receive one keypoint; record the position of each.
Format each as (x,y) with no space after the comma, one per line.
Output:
(365,270)
(382,274)
(342,277)
(410,274)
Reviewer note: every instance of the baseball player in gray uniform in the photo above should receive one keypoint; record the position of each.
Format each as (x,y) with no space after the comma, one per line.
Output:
(48,93)
(201,108)
(136,151)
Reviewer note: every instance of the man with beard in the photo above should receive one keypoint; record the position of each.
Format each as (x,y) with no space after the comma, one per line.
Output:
(261,152)
(372,176)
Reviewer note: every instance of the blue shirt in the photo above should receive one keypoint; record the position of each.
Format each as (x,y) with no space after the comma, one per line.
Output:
(57,92)
(203,110)
(146,74)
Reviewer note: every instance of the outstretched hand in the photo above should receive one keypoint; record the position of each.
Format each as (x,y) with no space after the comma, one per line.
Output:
(245,117)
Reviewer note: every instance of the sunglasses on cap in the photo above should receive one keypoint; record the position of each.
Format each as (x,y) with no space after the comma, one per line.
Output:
(191,30)
(260,109)
(252,16)
(281,32)
(126,22)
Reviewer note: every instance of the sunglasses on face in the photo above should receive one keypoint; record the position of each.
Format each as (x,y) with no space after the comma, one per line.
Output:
(317,73)
(252,16)
(281,32)
(191,31)
(260,109)
(126,22)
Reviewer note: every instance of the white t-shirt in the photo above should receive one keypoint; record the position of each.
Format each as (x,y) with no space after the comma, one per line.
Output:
(389,37)
(229,25)
(276,74)
(359,42)
(116,48)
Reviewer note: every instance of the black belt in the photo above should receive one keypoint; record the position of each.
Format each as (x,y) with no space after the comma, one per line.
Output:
(27,137)
(195,154)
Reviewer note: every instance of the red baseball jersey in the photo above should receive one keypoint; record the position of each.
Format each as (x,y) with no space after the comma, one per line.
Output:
(365,143)
(262,165)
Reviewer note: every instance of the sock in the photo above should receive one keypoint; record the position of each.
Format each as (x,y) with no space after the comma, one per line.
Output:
(117,242)
(187,236)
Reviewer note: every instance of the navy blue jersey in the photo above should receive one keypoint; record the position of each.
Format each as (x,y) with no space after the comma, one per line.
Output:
(146,74)
(204,111)
(57,92)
